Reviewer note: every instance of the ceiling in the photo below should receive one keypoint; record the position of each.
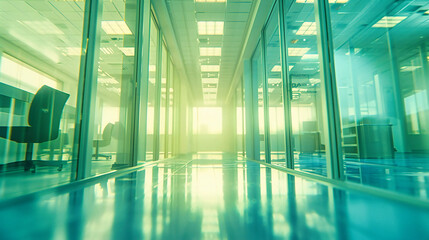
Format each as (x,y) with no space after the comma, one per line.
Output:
(185,15)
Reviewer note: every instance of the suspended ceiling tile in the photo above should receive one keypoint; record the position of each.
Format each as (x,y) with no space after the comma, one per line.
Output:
(243,7)
(209,16)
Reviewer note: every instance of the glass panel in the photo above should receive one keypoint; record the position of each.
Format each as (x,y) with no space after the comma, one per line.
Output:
(153,58)
(115,87)
(170,117)
(239,120)
(258,80)
(304,76)
(273,71)
(40,48)
(382,75)
(163,103)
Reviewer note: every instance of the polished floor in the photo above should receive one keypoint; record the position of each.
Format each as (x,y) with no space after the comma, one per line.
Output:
(406,173)
(210,198)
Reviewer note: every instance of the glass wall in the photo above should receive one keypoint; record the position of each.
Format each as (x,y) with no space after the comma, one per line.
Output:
(258,82)
(40,52)
(163,104)
(382,75)
(45,77)
(381,72)
(239,120)
(169,113)
(273,70)
(307,112)
(153,59)
(115,86)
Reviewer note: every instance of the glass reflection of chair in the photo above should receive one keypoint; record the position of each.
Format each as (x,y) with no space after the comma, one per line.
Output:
(43,125)
(58,148)
(105,141)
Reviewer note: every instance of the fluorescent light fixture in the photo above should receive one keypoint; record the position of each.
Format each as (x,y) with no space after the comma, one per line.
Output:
(210,90)
(71,51)
(210,80)
(388,22)
(210,27)
(310,56)
(314,80)
(114,89)
(106,50)
(127,51)
(152,68)
(152,80)
(116,28)
(211,1)
(210,51)
(307,28)
(308,69)
(409,68)
(274,80)
(330,1)
(297,52)
(210,68)
(43,27)
(276,68)
(108,80)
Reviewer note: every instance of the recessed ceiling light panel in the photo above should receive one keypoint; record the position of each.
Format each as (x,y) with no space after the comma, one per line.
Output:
(210,51)
(210,27)
(307,28)
(127,51)
(297,52)
(388,22)
(210,68)
(116,28)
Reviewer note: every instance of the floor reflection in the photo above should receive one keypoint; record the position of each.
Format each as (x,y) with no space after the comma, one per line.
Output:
(210,199)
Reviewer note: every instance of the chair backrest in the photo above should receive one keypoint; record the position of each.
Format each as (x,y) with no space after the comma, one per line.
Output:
(45,113)
(107,132)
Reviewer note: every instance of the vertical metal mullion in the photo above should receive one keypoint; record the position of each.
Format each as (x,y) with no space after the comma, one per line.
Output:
(287,91)
(142,73)
(266,104)
(329,87)
(157,110)
(87,89)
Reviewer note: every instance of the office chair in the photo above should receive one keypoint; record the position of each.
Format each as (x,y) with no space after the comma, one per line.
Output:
(43,124)
(105,141)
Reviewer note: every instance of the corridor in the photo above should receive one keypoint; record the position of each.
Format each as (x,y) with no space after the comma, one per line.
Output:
(214,119)
(207,196)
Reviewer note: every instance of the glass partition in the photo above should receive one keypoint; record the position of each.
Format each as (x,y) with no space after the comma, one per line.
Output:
(381,62)
(163,104)
(40,52)
(258,83)
(273,70)
(115,86)
(169,115)
(153,59)
(307,112)
(239,120)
